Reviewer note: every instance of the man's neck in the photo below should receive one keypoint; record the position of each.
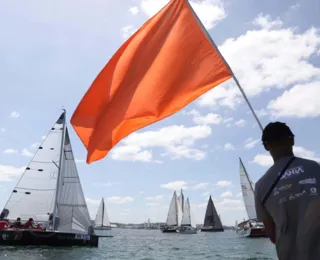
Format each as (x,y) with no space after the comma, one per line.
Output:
(278,156)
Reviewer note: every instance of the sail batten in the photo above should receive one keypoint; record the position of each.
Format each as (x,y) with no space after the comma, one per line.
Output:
(247,192)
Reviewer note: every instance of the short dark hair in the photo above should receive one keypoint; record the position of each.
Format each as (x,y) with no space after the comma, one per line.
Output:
(276,131)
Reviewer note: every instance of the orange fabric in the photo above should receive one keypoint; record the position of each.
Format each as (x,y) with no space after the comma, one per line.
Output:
(165,65)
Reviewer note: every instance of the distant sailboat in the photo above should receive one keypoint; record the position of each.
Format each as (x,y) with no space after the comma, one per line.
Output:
(181,200)
(102,221)
(174,215)
(49,191)
(188,225)
(251,227)
(148,224)
(212,222)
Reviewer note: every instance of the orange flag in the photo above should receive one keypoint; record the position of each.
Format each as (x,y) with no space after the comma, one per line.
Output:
(165,65)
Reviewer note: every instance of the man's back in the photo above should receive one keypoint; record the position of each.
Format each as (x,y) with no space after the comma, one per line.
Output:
(294,206)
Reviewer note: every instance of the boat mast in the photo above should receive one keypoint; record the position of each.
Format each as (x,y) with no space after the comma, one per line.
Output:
(55,210)
(102,211)
(245,172)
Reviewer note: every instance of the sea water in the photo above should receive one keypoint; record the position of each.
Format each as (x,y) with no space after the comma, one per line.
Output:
(153,245)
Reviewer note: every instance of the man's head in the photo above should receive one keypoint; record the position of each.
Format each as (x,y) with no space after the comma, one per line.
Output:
(277,138)
(18,219)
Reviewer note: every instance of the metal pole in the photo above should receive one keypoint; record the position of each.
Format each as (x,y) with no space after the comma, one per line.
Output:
(234,77)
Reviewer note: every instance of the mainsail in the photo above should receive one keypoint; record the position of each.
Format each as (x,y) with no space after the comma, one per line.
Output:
(188,219)
(51,185)
(102,218)
(175,212)
(211,218)
(247,192)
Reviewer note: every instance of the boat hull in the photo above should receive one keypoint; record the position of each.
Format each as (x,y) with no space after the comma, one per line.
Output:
(169,231)
(212,230)
(40,238)
(251,232)
(188,231)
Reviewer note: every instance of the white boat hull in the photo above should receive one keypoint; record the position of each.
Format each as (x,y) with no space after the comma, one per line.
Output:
(251,232)
(187,230)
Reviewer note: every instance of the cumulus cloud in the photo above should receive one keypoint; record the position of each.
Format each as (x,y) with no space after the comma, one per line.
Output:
(175,185)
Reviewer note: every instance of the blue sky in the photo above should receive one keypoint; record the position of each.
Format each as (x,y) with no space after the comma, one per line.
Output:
(50,54)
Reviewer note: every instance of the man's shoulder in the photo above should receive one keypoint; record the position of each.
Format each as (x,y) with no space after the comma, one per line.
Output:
(307,162)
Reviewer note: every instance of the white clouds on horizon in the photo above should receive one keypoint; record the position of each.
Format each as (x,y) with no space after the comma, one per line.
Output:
(265,160)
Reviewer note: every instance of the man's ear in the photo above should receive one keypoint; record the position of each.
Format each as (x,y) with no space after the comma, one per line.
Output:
(267,147)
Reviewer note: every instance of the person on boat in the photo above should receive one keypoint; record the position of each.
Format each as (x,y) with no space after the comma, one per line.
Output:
(49,224)
(290,215)
(17,223)
(4,224)
(28,224)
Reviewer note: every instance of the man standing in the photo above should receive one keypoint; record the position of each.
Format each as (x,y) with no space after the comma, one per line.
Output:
(287,197)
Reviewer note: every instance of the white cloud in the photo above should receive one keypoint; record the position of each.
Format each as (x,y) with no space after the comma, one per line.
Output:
(177,140)
(228,147)
(2,130)
(128,30)
(266,22)
(120,200)
(25,152)
(210,12)
(240,123)
(77,160)
(209,119)
(201,185)
(9,172)
(155,198)
(93,202)
(229,204)
(131,153)
(266,160)
(250,143)
(226,194)
(175,185)
(264,58)
(239,194)
(299,101)
(10,151)
(43,137)
(223,183)
(153,204)
(228,120)
(134,10)
(206,194)
(14,114)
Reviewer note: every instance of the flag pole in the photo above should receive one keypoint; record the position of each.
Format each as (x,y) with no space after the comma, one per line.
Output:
(234,77)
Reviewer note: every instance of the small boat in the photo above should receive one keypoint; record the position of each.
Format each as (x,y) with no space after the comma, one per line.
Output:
(174,216)
(188,225)
(102,222)
(212,222)
(50,193)
(251,227)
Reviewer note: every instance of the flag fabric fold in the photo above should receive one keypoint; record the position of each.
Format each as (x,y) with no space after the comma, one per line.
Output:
(165,65)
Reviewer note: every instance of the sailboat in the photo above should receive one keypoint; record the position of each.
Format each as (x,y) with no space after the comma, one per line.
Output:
(102,222)
(251,227)
(188,225)
(49,191)
(148,224)
(174,215)
(212,222)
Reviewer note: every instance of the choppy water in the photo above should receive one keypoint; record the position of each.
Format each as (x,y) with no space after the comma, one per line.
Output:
(154,245)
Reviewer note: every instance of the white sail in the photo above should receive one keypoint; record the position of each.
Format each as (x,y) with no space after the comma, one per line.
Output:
(71,204)
(51,185)
(188,219)
(247,192)
(179,212)
(102,218)
(34,195)
(172,219)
